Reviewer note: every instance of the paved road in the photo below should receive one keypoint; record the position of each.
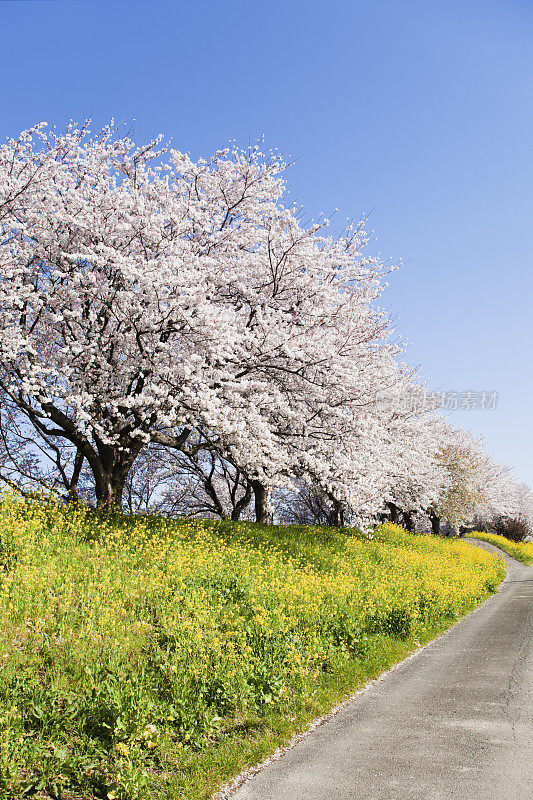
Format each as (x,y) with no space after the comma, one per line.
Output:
(454,723)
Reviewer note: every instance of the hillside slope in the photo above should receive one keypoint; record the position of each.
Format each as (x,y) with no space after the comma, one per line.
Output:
(146,657)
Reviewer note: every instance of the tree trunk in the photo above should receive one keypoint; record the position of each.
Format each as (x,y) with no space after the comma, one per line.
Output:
(394,513)
(409,520)
(211,492)
(336,517)
(72,489)
(109,489)
(435,523)
(110,470)
(261,497)
(241,504)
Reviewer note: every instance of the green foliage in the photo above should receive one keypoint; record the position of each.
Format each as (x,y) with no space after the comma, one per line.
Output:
(516,529)
(149,658)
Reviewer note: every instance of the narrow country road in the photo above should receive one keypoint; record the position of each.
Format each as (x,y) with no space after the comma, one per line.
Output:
(453,723)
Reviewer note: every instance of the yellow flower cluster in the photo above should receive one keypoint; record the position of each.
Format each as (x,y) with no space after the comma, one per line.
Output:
(146,633)
(522,551)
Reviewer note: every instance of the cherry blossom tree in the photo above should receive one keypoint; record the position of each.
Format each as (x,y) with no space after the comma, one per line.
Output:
(474,484)
(416,478)
(150,303)
(522,505)
(145,297)
(509,510)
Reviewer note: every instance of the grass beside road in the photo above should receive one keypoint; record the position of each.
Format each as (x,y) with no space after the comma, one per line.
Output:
(154,658)
(522,551)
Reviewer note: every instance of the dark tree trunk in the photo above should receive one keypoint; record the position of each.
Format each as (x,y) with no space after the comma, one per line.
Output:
(409,520)
(110,471)
(110,464)
(243,503)
(212,494)
(109,489)
(262,511)
(394,515)
(336,516)
(72,489)
(435,523)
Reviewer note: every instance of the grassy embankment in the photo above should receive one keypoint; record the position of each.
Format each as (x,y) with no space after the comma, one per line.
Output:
(522,551)
(149,658)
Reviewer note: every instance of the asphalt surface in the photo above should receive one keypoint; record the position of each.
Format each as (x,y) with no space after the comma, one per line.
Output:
(453,723)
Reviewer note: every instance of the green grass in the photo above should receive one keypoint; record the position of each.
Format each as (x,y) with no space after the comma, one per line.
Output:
(522,551)
(151,658)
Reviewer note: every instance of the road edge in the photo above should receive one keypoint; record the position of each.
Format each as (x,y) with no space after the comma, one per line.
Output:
(231,787)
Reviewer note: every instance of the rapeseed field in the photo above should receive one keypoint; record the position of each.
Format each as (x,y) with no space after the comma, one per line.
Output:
(144,657)
(522,551)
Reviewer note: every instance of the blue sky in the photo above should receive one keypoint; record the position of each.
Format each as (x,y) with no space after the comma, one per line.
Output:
(418,112)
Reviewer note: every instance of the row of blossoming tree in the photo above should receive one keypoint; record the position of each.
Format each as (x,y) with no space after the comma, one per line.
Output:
(173,336)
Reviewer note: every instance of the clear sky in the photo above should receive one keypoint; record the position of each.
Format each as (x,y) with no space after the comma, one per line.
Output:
(418,111)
